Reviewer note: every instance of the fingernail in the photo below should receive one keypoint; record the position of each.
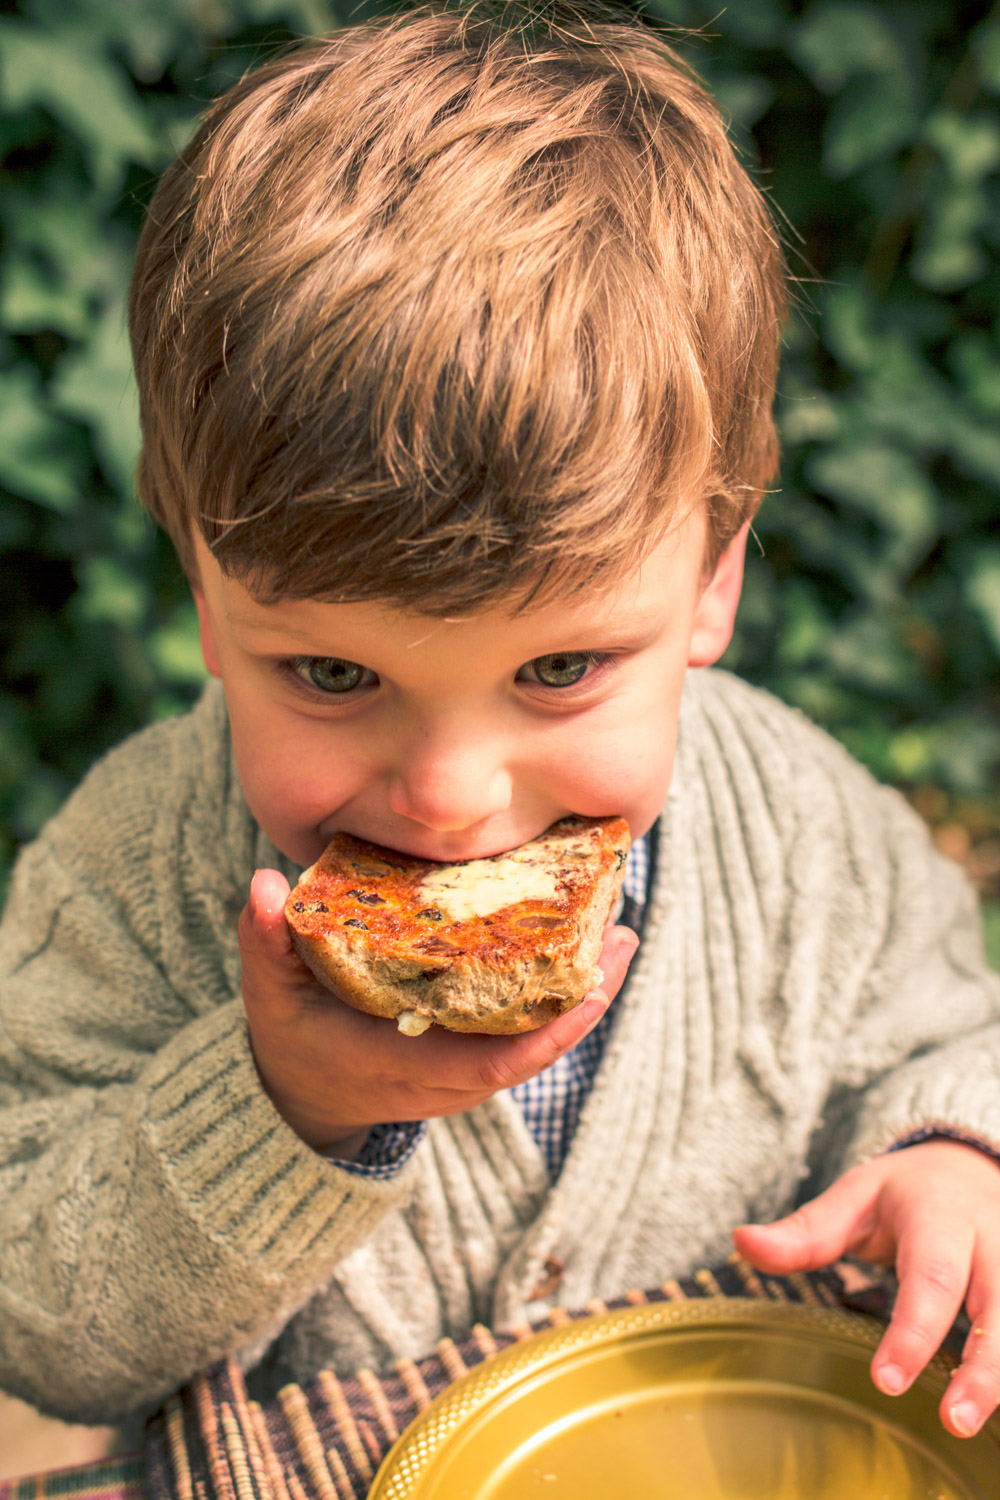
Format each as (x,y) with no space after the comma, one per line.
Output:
(260,908)
(627,946)
(891,1380)
(965,1418)
(593,1009)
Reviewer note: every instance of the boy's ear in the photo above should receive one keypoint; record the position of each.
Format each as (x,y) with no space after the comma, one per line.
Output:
(208,652)
(716,610)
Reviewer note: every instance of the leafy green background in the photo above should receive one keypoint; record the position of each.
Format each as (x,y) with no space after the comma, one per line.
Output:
(875,127)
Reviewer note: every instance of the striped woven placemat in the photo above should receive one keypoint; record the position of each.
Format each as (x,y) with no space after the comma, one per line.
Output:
(325,1439)
(107,1479)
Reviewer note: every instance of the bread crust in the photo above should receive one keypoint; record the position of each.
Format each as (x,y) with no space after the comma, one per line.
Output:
(401,938)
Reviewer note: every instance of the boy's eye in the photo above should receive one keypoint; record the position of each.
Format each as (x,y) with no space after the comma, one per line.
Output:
(329,674)
(563,668)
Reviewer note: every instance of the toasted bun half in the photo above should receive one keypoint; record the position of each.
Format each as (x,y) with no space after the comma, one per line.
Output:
(498,945)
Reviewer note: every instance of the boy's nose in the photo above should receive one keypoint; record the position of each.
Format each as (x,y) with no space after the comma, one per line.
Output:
(451,792)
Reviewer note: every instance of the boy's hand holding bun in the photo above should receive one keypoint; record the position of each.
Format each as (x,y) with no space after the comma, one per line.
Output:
(332,1072)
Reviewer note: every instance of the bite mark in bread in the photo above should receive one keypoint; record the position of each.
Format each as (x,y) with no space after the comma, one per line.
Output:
(499,945)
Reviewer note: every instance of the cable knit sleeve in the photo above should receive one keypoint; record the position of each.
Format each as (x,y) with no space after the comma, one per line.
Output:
(155,1211)
(923,1050)
(874,991)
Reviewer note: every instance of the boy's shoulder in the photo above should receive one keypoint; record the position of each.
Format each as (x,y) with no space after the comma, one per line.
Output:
(156,839)
(771,754)
(756,720)
(754,715)
(188,745)
(175,773)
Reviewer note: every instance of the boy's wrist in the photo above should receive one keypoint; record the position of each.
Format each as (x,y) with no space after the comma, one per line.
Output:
(345,1142)
(343,1148)
(327,1141)
(386,1151)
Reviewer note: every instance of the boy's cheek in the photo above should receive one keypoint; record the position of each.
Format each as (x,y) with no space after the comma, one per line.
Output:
(290,809)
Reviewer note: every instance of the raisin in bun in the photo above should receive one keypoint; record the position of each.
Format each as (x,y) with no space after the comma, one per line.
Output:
(497,945)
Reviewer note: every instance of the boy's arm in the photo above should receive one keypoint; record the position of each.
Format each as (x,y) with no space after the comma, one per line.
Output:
(155,1210)
(921,1054)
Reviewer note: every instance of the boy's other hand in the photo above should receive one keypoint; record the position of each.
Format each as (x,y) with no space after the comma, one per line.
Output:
(332,1072)
(932,1210)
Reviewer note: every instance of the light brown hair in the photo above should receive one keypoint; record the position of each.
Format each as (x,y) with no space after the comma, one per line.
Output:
(453,311)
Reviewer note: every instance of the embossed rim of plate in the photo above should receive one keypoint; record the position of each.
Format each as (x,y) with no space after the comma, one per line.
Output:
(414,1451)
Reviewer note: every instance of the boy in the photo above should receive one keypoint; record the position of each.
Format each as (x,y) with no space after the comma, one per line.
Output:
(456,348)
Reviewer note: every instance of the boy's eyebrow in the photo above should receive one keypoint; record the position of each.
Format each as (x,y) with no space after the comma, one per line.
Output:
(628,627)
(257,627)
(587,638)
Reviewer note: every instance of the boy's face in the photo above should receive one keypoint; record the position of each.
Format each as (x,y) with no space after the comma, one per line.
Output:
(456,739)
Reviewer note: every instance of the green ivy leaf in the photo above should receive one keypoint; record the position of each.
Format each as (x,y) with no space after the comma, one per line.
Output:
(674,12)
(986,48)
(755,23)
(974,446)
(886,485)
(948,254)
(59,228)
(308,17)
(742,96)
(912,754)
(147,31)
(839,40)
(806,416)
(982,589)
(85,91)
(805,629)
(869,122)
(976,361)
(969,145)
(176,647)
(867,651)
(31,299)
(108,592)
(991,932)
(36,457)
(96,385)
(850,330)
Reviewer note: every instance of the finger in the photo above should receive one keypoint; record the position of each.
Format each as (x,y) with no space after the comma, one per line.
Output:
(620,944)
(268,894)
(541,1048)
(933,1264)
(266,949)
(503,1063)
(815,1235)
(264,912)
(974,1391)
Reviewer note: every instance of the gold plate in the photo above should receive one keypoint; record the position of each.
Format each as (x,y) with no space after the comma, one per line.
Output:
(721,1399)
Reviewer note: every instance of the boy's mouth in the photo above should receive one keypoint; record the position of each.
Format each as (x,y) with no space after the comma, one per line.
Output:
(444,851)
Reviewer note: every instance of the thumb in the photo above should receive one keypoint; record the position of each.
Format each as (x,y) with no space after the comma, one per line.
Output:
(815,1235)
(263,931)
(268,893)
(620,944)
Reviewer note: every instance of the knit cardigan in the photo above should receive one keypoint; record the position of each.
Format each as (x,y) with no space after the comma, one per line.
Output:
(810,988)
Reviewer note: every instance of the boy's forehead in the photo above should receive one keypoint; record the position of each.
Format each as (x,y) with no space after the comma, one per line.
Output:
(670,572)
